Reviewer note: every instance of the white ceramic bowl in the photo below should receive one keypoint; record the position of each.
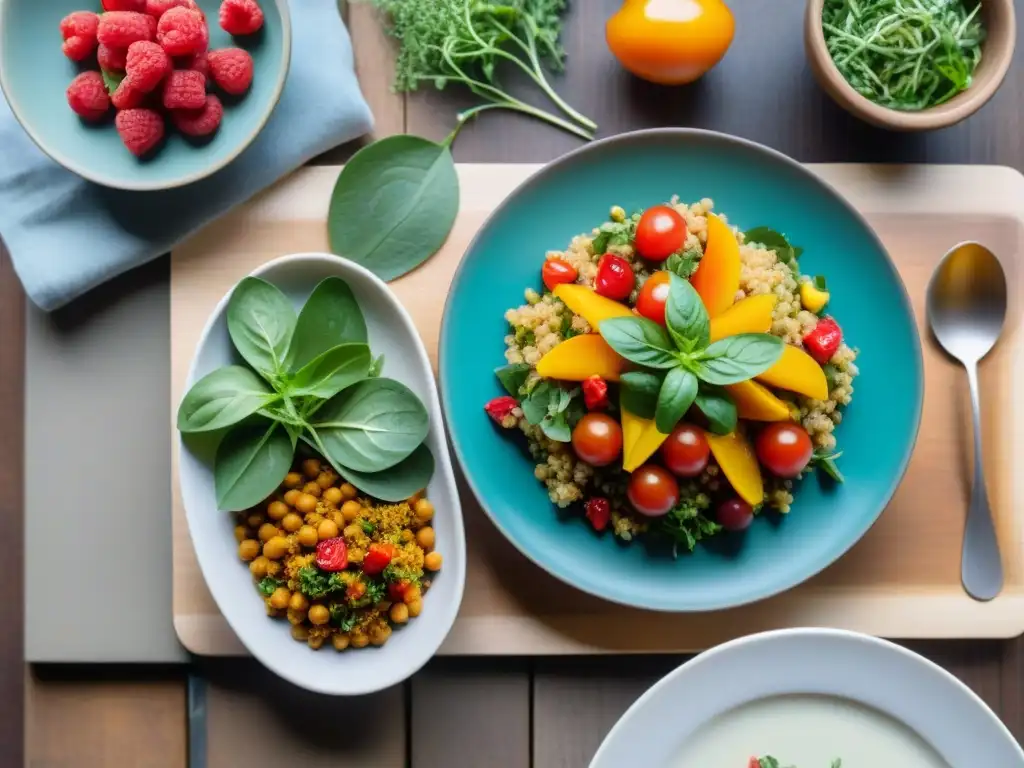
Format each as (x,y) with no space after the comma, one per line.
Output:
(874,673)
(353,672)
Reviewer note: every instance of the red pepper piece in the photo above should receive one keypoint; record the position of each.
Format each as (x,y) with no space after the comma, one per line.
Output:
(595,393)
(377,558)
(332,555)
(500,407)
(598,512)
(822,342)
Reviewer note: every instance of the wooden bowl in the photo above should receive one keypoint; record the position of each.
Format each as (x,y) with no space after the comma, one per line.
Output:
(997,54)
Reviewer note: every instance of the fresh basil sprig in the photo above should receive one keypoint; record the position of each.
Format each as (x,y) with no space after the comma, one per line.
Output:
(554,409)
(311,377)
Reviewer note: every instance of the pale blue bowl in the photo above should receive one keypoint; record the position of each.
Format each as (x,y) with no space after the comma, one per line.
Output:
(753,186)
(34,74)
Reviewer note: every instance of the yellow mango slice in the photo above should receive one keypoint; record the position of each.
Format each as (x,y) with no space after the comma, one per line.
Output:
(640,439)
(757,403)
(736,458)
(589,304)
(581,357)
(750,315)
(717,279)
(797,372)
(813,299)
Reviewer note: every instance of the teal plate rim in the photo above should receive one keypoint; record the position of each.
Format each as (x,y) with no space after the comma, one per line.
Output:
(752,593)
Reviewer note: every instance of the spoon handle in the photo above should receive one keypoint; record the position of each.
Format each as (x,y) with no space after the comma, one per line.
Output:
(981,568)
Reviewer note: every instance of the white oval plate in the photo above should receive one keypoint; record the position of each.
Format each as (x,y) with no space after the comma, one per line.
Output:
(874,673)
(353,672)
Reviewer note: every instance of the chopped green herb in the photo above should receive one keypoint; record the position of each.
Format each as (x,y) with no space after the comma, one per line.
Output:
(686,525)
(367,526)
(826,462)
(342,617)
(314,583)
(684,264)
(375,592)
(614,233)
(394,573)
(268,584)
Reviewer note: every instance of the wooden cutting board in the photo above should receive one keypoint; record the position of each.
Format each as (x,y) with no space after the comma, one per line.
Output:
(902,580)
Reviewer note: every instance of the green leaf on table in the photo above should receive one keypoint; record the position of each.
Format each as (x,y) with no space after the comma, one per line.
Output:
(675,398)
(394,204)
(395,483)
(640,341)
(638,392)
(111,80)
(222,398)
(328,374)
(513,377)
(718,408)
(739,358)
(685,316)
(260,323)
(250,463)
(330,316)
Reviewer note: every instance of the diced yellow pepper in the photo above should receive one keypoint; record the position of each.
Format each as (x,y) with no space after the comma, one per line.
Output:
(813,299)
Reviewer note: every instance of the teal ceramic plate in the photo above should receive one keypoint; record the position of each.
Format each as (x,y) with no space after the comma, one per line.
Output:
(753,186)
(35,73)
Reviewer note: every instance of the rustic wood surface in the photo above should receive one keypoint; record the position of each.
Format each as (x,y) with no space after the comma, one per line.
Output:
(506,713)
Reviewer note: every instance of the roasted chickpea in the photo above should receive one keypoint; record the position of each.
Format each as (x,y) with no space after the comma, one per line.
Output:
(241,533)
(276,510)
(425,537)
(312,489)
(399,613)
(325,480)
(311,468)
(267,532)
(291,522)
(351,531)
(300,632)
(332,495)
(256,519)
(276,548)
(358,639)
(316,642)
(299,603)
(348,491)
(379,633)
(339,641)
(249,549)
(292,480)
(292,496)
(424,511)
(319,615)
(328,529)
(415,607)
(258,567)
(412,592)
(306,503)
(432,561)
(279,599)
(307,536)
(350,510)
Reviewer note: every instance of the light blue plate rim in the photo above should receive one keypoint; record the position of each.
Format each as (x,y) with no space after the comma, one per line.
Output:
(751,594)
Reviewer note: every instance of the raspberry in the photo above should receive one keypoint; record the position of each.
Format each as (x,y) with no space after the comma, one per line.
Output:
(197,62)
(199,122)
(231,70)
(598,511)
(140,129)
(112,59)
(119,29)
(87,96)
(123,5)
(147,65)
(182,31)
(78,31)
(158,8)
(240,17)
(185,89)
(500,410)
(127,96)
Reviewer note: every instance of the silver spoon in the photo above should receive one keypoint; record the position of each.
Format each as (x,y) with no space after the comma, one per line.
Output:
(966,310)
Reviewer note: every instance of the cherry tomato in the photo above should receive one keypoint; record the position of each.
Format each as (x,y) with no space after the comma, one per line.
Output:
(615,278)
(377,558)
(332,555)
(597,439)
(652,490)
(660,232)
(735,515)
(784,448)
(651,301)
(686,451)
(557,271)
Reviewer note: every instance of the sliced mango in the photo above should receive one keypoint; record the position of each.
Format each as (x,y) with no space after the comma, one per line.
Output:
(797,372)
(750,315)
(581,357)
(756,402)
(736,458)
(640,439)
(717,279)
(589,304)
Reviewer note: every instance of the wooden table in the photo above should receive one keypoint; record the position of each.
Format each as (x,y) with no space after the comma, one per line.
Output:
(503,713)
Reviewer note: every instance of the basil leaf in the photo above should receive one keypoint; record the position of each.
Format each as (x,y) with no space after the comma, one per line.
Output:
(394,204)
(376,367)
(330,316)
(250,463)
(640,341)
(328,374)
(556,428)
(719,409)
(739,358)
(638,392)
(260,323)
(675,398)
(371,426)
(398,482)
(535,406)
(685,316)
(222,398)
(513,377)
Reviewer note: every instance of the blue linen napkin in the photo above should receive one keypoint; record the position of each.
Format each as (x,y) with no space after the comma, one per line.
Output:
(67,235)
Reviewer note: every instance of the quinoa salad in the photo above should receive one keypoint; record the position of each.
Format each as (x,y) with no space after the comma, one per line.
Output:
(673,376)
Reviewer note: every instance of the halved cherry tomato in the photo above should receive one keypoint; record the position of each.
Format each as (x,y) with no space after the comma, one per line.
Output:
(686,451)
(332,555)
(784,448)
(652,490)
(735,514)
(597,439)
(615,278)
(556,272)
(378,556)
(653,296)
(660,232)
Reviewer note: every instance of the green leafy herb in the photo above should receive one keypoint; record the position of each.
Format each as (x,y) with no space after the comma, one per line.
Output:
(674,399)
(638,392)
(513,377)
(375,592)
(555,410)
(367,526)
(111,80)
(685,316)
(260,322)
(819,282)
(222,398)
(342,617)
(251,461)
(686,525)
(640,341)
(684,264)
(393,573)
(719,409)
(395,483)
(330,317)
(739,358)
(567,328)
(268,584)
(329,373)
(826,462)
(316,584)
(613,233)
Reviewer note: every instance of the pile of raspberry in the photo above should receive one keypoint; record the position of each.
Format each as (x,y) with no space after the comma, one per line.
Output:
(149,59)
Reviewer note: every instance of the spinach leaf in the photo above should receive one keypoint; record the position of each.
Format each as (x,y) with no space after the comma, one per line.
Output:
(330,316)
(638,392)
(370,426)
(328,374)
(674,399)
(376,367)
(398,482)
(394,204)
(684,264)
(513,377)
(250,463)
(739,358)
(222,398)
(719,409)
(827,463)
(640,341)
(260,323)
(685,316)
